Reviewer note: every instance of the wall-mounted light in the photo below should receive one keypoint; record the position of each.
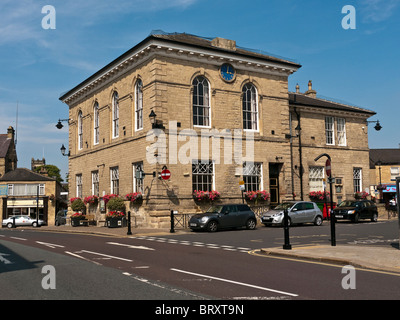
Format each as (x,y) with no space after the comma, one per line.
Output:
(59,125)
(377,127)
(155,124)
(63,149)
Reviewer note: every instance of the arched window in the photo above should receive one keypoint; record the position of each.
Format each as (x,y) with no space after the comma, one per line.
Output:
(139,105)
(250,107)
(96,133)
(115,115)
(201,102)
(80,130)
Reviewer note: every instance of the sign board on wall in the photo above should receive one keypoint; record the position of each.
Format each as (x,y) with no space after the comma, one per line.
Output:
(3,189)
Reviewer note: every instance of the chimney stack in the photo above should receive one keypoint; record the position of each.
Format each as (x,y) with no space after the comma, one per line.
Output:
(310,92)
(10,133)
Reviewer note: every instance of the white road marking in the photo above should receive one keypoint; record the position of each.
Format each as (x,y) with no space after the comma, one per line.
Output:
(130,246)
(80,257)
(50,245)
(4,260)
(18,238)
(234,282)
(105,255)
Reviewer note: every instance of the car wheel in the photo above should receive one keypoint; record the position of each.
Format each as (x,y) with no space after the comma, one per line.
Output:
(9,225)
(318,221)
(212,226)
(251,224)
(356,217)
(34,224)
(374,217)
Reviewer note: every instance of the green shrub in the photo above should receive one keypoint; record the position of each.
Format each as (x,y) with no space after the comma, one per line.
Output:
(77,205)
(116,204)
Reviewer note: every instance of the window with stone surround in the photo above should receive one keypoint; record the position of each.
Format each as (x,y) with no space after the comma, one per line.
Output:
(115,115)
(250,107)
(201,102)
(78,179)
(252,176)
(341,131)
(138,182)
(202,175)
(95,183)
(114,173)
(80,130)
(315,178)
(96,133)
(330,130)
(139,105)
(25,189)
(357,179)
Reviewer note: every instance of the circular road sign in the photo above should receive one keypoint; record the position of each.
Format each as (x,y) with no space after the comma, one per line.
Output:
(165,174)
(328,167)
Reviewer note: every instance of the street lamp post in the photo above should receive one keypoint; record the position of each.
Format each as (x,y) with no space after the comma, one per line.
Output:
(330,181)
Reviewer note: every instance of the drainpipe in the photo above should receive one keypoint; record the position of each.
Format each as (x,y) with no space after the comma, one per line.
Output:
(298,129)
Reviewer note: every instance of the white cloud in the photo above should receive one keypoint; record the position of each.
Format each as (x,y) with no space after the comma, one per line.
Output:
(378,10)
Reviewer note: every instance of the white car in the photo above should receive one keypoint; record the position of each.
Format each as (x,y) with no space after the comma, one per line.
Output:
(298,212)
(22,221)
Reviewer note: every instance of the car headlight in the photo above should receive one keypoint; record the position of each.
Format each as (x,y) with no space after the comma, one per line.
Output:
(203,219)
(277,214)
(351,211)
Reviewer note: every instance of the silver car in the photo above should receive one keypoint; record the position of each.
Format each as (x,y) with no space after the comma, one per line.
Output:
(298,212)
(22,221)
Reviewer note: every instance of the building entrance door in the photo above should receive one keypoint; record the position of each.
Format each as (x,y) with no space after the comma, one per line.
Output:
(274,169)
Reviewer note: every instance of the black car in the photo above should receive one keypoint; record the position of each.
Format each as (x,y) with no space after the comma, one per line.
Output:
(224,217)
(355,210)
(61,217)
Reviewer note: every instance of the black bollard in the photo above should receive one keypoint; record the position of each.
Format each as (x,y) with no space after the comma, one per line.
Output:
(172,222)
(287,245)
(129,224)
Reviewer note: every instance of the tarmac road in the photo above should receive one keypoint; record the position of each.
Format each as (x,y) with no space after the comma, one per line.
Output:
(218,271)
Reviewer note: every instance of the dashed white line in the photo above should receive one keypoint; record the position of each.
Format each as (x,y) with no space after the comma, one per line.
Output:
(16,238)
(234,282)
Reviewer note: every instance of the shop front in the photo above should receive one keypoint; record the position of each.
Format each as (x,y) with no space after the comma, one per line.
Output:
(26,206)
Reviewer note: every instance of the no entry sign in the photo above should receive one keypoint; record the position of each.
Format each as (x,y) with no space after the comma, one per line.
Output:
(165,174)
(328,167)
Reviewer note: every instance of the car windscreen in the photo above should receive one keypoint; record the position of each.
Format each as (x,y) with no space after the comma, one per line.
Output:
(216,209)
(347,203)
(283,206)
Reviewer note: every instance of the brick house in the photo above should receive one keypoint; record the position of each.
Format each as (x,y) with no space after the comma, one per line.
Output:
(223,116)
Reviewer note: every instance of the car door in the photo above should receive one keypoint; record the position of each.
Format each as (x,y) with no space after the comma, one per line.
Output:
(228,216)
(25,221)
(296,212)
(309,212)
(243,213)
(364,210)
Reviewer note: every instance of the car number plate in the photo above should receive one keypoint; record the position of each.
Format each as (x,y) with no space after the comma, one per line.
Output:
(193,224)
(338,216)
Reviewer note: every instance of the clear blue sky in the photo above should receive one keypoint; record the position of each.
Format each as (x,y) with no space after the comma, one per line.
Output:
(359,66)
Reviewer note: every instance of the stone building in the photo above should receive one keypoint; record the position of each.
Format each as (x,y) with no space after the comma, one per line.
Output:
(22,187)
(213,114)
(385,167)
(8,154)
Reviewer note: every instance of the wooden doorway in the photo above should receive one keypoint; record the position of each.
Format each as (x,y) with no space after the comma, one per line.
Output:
(274,169)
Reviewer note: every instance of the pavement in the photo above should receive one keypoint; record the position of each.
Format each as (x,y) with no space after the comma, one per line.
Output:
(384,257)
